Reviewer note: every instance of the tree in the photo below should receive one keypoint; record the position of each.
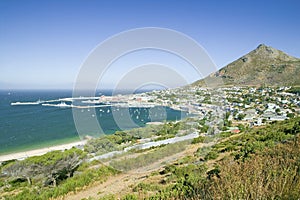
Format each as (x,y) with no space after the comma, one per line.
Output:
(62,168)
(21,169)
(53,166)
(290,115)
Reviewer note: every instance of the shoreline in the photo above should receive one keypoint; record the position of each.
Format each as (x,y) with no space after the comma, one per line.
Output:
(154,123)
(39,152)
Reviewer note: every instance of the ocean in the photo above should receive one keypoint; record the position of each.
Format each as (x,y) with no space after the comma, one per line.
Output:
(27,127)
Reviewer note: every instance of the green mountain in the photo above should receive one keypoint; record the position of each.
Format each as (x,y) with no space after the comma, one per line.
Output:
(263,66)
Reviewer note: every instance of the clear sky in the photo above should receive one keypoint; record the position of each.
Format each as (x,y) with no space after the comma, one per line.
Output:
(43,43)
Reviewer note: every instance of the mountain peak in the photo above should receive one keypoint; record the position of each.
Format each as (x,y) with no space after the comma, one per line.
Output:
(265,50)
(264,65)
(261,46)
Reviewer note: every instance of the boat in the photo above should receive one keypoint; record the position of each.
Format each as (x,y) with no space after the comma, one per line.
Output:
(91,101)
(62,104)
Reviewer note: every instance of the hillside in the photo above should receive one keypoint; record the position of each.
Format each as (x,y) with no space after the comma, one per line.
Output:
(263,66)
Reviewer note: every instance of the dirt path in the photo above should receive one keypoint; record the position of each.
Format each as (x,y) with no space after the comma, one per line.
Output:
(122,183)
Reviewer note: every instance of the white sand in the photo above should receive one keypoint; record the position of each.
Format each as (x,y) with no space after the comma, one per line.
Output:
(38,152)
(154,123)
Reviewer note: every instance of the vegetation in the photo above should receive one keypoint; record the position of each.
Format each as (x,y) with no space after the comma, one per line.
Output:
(271,174)
(122,139)
(51,175)
(109,143)
(50,168)
(76,183)
(149,158)
(295,90)
(211,155)
(199,139)
(264,164)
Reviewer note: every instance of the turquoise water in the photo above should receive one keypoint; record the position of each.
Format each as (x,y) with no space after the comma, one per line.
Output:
(34,126)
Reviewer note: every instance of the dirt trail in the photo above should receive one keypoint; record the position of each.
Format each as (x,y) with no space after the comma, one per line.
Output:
(121,183)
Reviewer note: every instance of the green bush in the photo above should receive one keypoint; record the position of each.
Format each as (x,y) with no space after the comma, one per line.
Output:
(130,197)
(146,187)
(108,197)
(199,139)
(211,155)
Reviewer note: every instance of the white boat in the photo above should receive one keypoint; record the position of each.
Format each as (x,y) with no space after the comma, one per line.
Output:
(91,101)
(62,104)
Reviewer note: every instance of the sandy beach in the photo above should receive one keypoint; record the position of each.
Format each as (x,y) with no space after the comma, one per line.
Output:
(154,123)
(38,152)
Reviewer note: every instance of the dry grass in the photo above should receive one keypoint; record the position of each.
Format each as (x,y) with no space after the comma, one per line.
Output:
(270,175)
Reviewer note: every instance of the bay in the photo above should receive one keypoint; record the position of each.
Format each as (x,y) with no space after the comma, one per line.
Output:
(28,127)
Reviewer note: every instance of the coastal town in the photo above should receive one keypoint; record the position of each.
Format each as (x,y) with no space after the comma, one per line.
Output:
(245,105)
(209,111)
(218,107)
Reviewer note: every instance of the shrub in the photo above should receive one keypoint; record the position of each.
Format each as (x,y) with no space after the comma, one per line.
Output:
(130,197)
(211,155)
(199,139)
(271,174)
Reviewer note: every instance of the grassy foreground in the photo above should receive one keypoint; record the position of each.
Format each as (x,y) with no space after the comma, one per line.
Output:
(260,163)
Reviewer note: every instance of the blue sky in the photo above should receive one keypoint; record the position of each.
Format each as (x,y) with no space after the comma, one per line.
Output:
(43,43)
